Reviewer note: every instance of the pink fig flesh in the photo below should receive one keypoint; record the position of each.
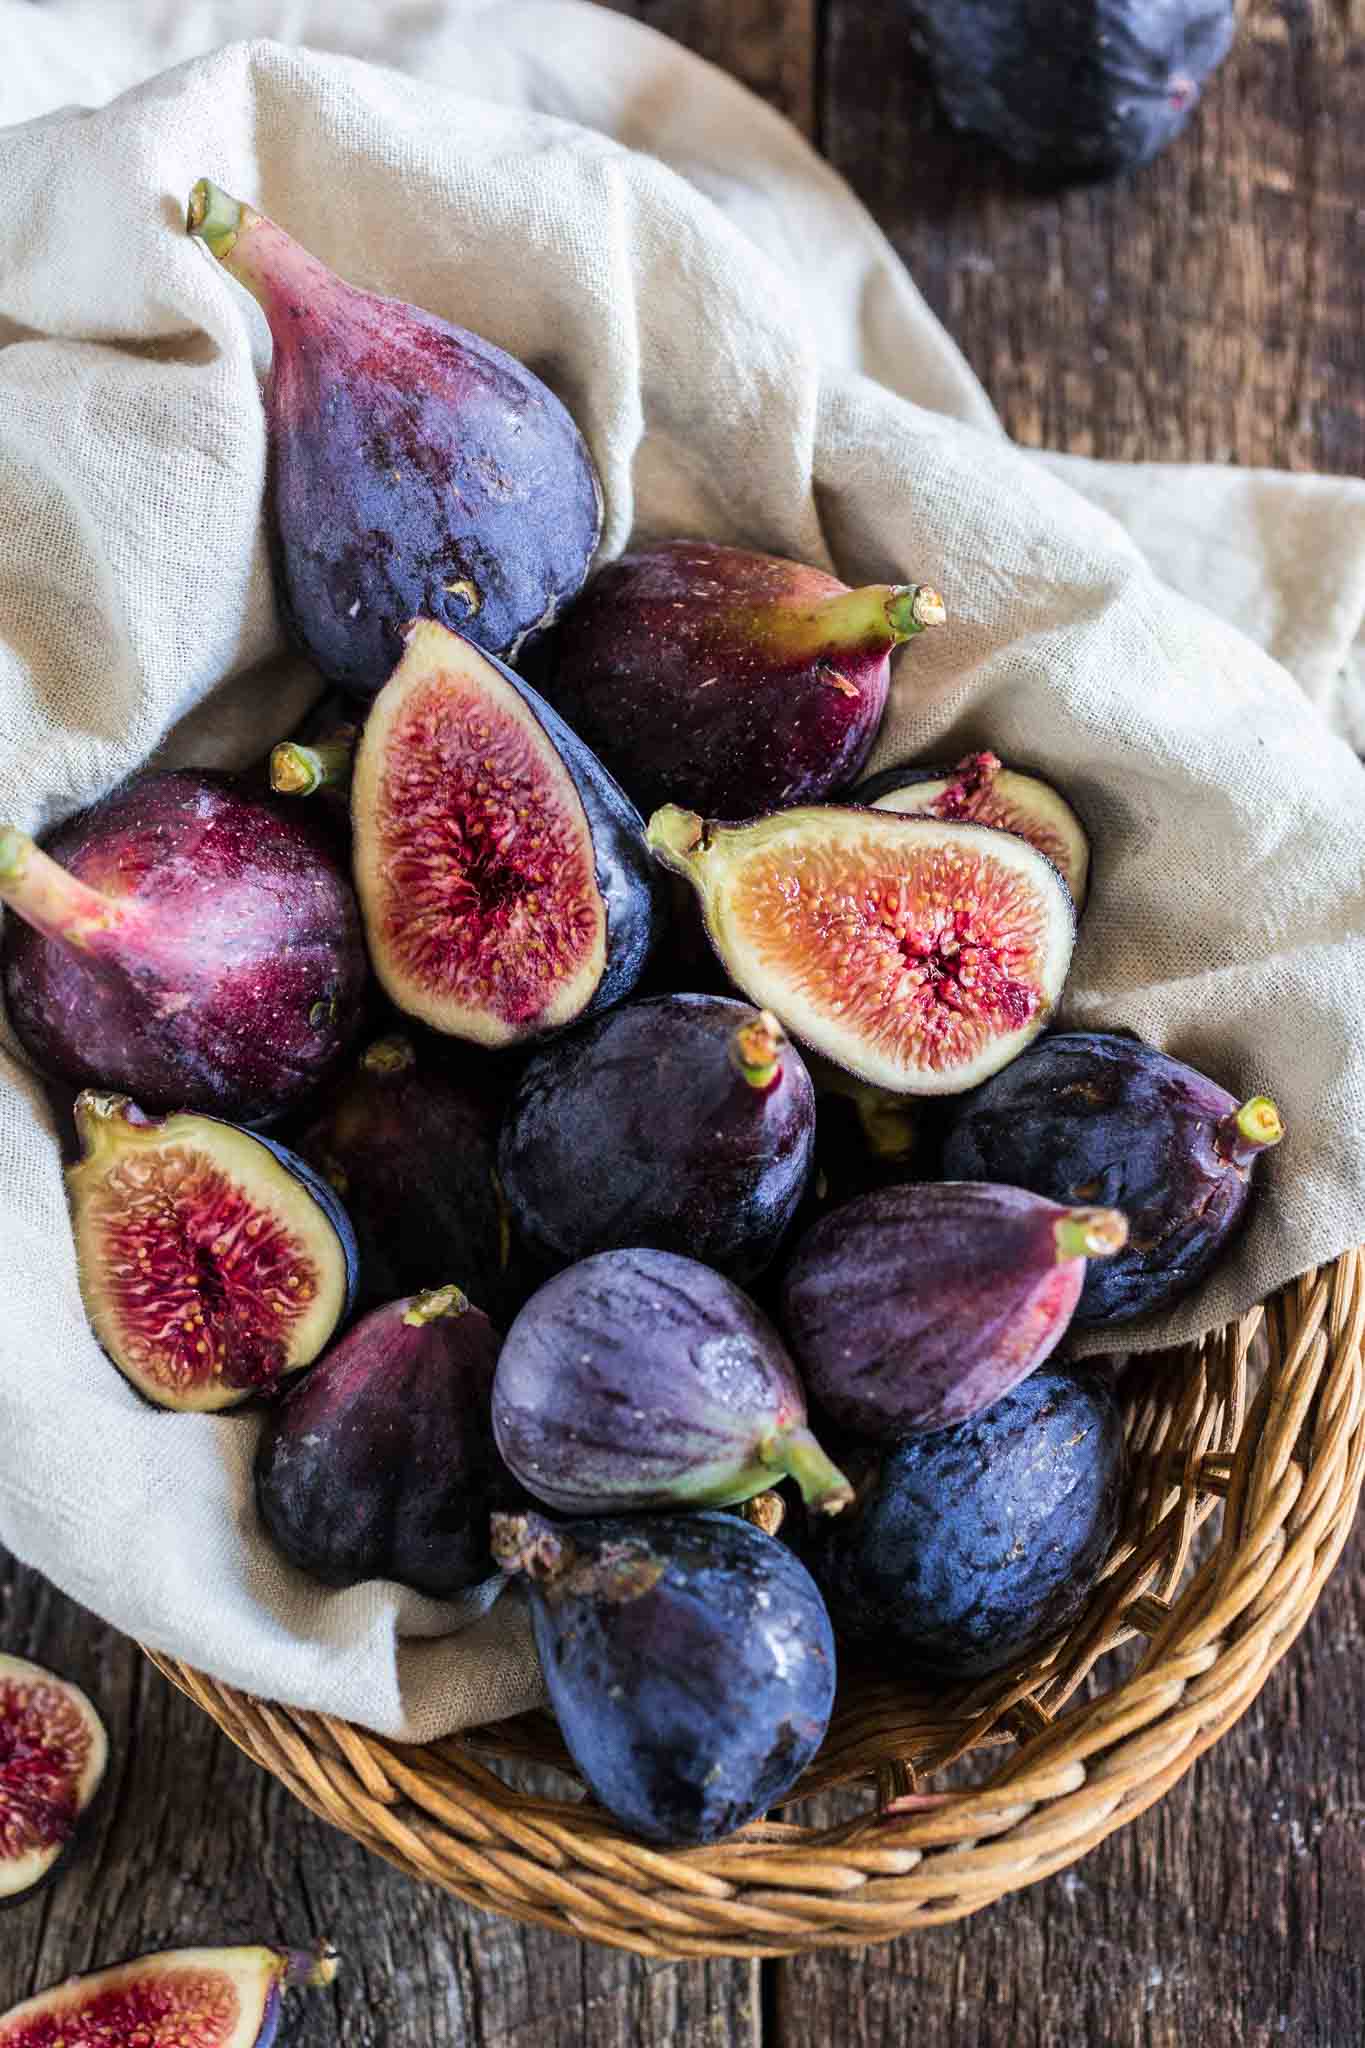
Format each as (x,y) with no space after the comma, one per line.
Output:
(181,1998)
(53,1753)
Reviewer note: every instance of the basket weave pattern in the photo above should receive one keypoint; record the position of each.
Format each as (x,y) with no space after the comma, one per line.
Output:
(1261,1425)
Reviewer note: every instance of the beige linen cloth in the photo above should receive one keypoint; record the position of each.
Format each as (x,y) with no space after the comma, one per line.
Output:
(749,362)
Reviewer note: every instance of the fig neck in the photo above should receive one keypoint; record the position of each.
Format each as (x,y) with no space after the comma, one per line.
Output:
(1250,1129)
(860,624)
(58,906)
(297,770)
(280,275)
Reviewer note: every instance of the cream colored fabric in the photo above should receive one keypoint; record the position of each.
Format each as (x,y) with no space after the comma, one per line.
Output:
(749,362)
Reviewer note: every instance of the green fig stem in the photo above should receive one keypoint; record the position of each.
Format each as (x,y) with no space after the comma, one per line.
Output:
(530,1544)
(215,218)
(823,1486)
(756,1049)
(1090,1234)
(297,770)
(37,889)
(873,619)
(677,837)
(887,1122)
(103,1120)
(393,1055)
(434,1304)
(1246,1131)
(309,1969)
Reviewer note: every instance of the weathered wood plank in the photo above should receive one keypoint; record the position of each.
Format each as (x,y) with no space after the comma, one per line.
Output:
(770,45)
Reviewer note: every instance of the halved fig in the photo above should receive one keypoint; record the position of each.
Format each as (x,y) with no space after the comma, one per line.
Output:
(982,791)
(503,877)
(213,1263)
(920,955)
(182,1998)
(53,1753)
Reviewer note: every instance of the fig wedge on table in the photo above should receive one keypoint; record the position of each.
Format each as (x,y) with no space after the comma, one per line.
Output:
(53,1754)
(181,1998)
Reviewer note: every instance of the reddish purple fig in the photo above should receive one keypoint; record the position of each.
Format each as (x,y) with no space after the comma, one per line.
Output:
(982,790)
(914,1307)
(183,941)
(728,681)
(182,1998)
(415,470)
(53,1753)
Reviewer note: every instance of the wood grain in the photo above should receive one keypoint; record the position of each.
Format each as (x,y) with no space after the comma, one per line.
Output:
(769,45)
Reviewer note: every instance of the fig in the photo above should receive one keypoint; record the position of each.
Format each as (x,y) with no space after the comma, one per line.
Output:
(639,1379)
(914,1307)
(213,1262)
(411,1149)
(981,789)
(689,1660)
(414,469)
(380,1463)
(919,954)
(504,879)
(729,681)
(971,1546)
(53,1754)
(1097,1116)
(182,1998)
(685,1122)
(183,941)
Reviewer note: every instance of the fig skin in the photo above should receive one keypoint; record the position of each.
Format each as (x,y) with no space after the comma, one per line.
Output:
(380,1463)
(1098,1116)
(646,1127)
(730,681)
(638,1379)
(914,1307)
(689,1660)
(981,788)
(53,1756)
(179,1998)
(194,946)
(414,468)
(504,881)
(972,1546)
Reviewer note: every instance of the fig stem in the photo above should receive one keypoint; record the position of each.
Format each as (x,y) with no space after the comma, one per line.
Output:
(677,837)
(529,1543)
(309,1968)
(392,1055)
(297,770)
(215,218)
(756,1048)
(887,1123)
(1090,1234)
(1252,1128)
(872,619)
(37,889)
(823,1486)
(435,1303)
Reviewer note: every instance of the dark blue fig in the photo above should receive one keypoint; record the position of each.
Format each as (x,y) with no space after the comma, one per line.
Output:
(1096,1116)
(638,1379)
(689,1660)
(972,1546)
(913,1307)
(685,1122)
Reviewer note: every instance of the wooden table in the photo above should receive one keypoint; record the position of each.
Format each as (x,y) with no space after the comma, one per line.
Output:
(1213,307)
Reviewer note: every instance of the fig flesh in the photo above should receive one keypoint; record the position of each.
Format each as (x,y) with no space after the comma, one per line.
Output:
(184,941)
(415,469)
(181,1998)
(503,876)
(920,955)
(638,1379)
(729,681)
(914,1307)
(684,1122)
(53,1756)
(1096,1116)
(971,1546)
(380,1463)
(212,1262)
(689,1660)
(981,790)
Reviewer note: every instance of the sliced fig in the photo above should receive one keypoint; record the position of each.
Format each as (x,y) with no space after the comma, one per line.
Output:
(918,954)
(981,790)
(685,1122)
(1097,1116)
(185,941)
(380,1464)
(504,879)
(913,1307)
(689,1660)
(638,1379)
(730,681)
(415,469)
(213,1263)
(181,1998)
(53,1754)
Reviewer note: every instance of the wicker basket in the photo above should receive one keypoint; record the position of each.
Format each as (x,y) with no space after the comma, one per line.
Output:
(1261,1426)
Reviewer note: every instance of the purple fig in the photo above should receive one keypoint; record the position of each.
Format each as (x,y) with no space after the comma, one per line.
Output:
(728,681)
(1096,1116)
(913,1307)
(415,470)
(53,1754)
(184,941)
(638,1379)
(684,1122)
(982,790)
(181,1998)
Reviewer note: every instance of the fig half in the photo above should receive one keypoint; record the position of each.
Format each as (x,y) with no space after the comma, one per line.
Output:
(982,790)
(182,1998)
(503,877)
(213,1263)
(53,1755)
(921,955)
